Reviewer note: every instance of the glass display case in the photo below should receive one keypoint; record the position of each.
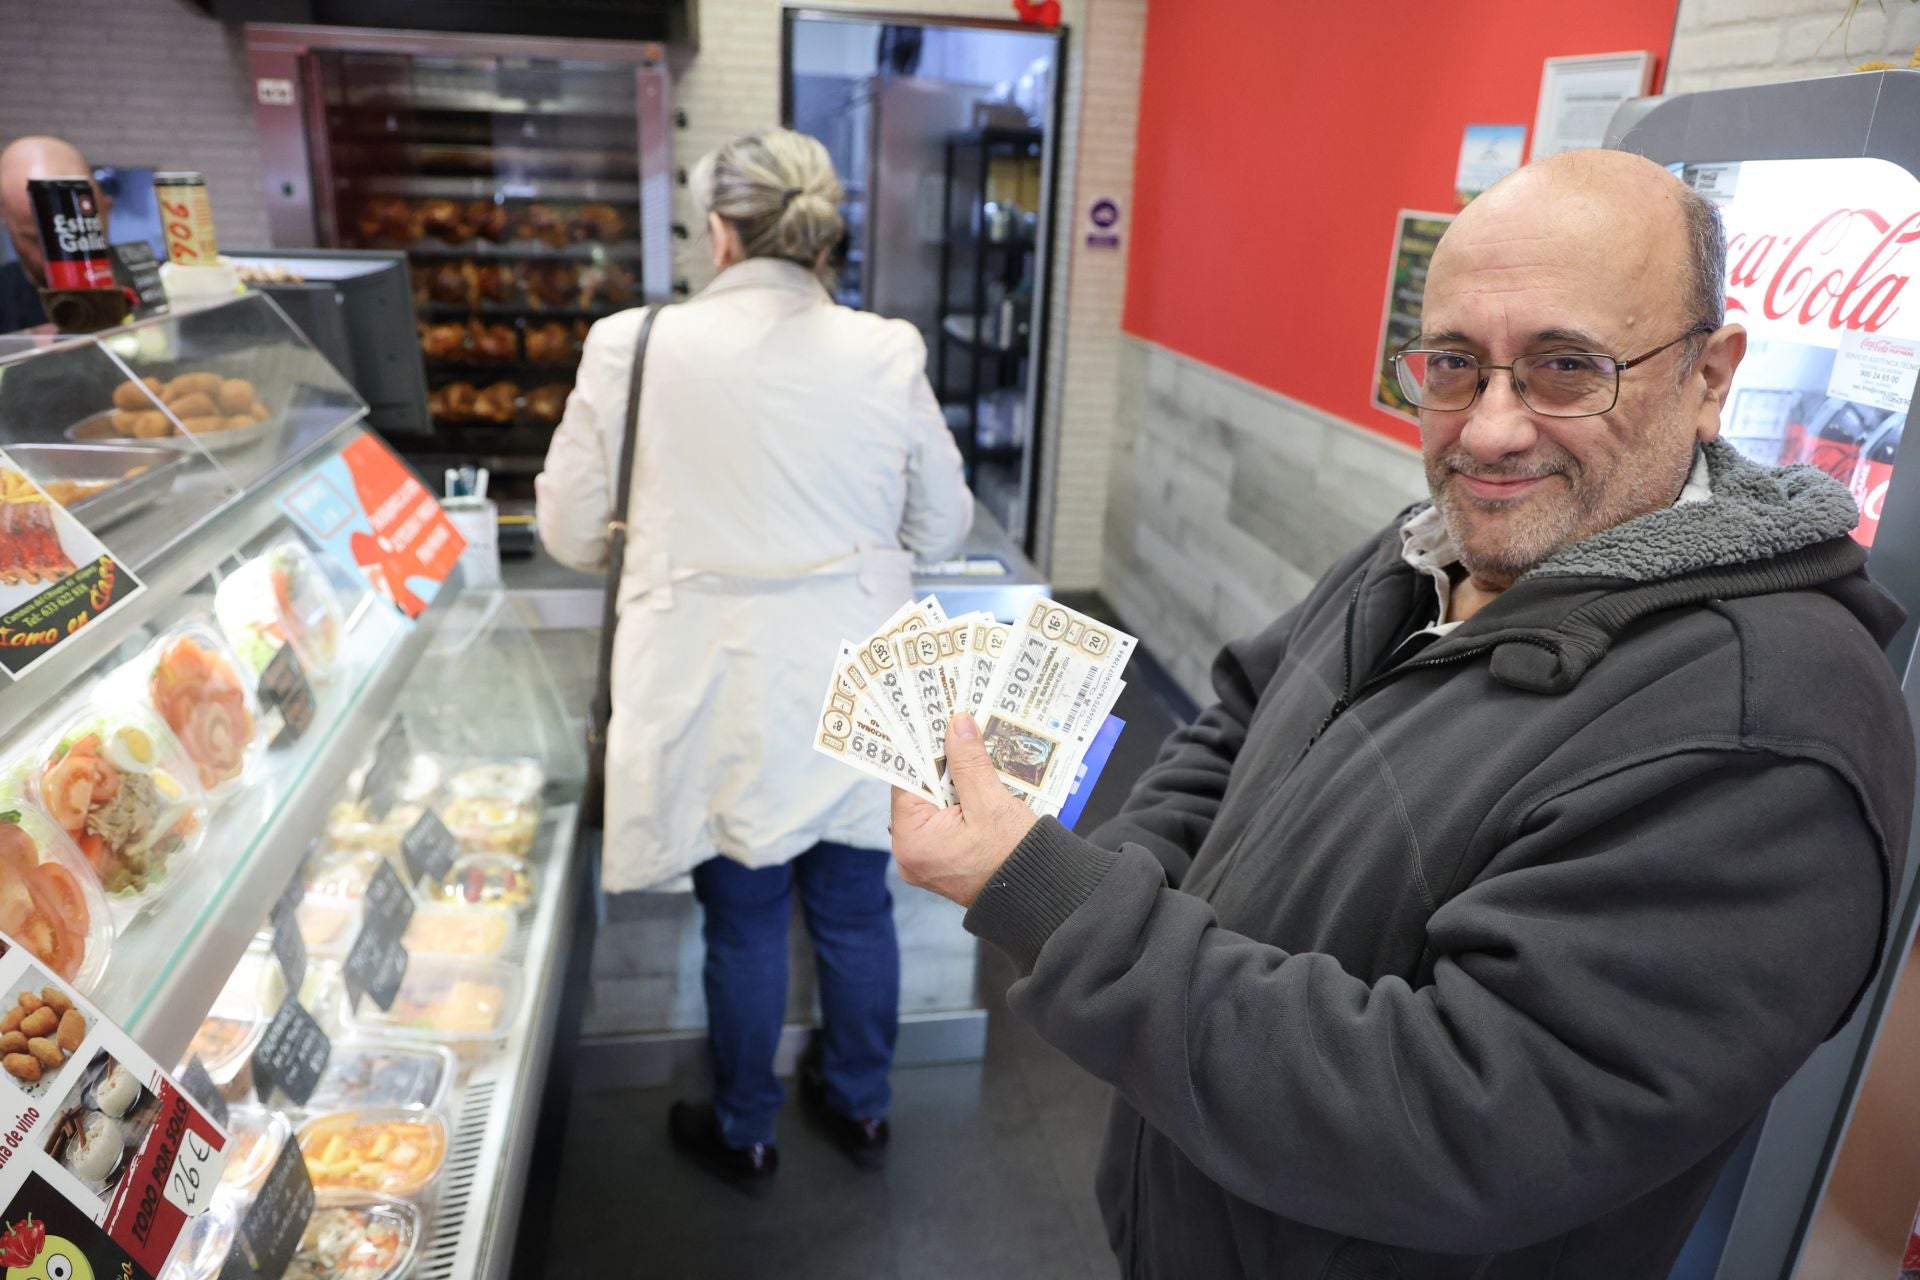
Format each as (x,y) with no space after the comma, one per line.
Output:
(163,793)
(525,180)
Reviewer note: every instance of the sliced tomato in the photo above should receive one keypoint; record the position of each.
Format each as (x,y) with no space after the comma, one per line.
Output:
(67,952)
(57,893)
(37,935)
(95,849)
(18,853)
(16,903)
(68,790)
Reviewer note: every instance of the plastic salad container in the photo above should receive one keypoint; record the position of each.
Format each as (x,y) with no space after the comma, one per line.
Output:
(342,874)
(385,1073)
(327,925)
(232,1028)
(50,902)
(349,826)
(509,782)
(115,779)
(194,681)
(257,1137)
(320,991)
(201,1252)
(492,826)
(467,1005)
(394,1151)
(450,929)
(425,776)
(357,1237)
(281,597)
(487,879)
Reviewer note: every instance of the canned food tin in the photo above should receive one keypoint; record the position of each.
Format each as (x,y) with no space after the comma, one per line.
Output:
(72,233)
(187,215)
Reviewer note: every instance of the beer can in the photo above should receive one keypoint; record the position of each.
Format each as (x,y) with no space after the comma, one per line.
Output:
(72,233)
(186,214)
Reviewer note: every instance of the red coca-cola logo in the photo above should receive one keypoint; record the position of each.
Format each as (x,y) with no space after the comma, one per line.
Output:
(1841,272)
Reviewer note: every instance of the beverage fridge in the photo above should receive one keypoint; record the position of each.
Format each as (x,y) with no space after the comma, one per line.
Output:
(527,180)
(1816,183)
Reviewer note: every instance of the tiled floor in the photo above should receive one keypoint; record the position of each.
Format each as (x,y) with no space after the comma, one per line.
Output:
(990,1172)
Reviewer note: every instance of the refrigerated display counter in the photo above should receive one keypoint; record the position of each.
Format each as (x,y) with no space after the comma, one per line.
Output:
(148,753)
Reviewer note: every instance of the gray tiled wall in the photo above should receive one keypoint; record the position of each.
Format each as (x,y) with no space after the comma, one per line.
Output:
(1227,501)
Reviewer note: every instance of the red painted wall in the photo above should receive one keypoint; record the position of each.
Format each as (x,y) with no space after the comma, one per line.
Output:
(1279,137)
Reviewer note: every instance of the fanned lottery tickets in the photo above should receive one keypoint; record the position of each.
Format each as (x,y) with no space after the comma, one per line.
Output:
(1040,688)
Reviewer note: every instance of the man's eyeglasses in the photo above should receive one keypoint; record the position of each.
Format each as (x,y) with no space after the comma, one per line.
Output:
(1556,384)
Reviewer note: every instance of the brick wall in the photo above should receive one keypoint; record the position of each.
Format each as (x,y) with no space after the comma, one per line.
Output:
(733,86)
(1720,44)
(138,82)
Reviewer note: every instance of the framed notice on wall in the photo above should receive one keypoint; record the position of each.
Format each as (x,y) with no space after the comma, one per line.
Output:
(1578,97)
(1414,236)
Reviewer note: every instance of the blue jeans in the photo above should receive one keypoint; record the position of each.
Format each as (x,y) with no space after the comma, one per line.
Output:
(849,912)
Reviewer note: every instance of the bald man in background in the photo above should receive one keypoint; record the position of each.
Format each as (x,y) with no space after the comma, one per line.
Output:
(22,279)
(1519,865)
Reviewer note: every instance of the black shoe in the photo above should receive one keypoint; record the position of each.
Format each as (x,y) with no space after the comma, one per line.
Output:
(862,1141)
(695,1129)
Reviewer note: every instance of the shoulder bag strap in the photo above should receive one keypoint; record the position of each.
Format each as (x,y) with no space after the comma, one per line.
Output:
(617,533)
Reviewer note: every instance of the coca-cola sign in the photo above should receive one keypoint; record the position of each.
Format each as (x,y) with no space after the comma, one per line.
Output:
(1823,248)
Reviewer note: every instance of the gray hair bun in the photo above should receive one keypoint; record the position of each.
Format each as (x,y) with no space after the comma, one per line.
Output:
(778,190)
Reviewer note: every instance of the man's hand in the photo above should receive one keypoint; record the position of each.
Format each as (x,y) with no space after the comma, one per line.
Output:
(954,851)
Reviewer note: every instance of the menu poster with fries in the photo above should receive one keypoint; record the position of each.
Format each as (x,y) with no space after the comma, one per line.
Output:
(103,1157)
(55,576)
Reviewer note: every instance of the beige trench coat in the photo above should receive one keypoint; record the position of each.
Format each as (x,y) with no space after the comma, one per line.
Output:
(792,465)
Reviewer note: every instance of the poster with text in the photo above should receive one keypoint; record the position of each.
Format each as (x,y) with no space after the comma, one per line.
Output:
(1414,236)
(103,1157)
(55,576)
(1820,259)
(372,514)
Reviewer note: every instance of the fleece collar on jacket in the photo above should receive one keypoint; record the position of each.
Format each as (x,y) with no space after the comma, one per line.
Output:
(1765,530)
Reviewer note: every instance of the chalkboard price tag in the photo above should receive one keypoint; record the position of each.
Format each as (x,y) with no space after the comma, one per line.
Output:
(387,903)
(375,965)
(271,1229)
(290,949)
(201,1088)
(391,757)
(429,848)
(137,271)
(284,688)
(292,1054)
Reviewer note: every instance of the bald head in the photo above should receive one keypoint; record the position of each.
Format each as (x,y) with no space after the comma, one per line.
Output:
(32,157)
(1620,218)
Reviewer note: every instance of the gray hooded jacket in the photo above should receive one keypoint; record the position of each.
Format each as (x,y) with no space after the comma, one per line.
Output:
(1478,965)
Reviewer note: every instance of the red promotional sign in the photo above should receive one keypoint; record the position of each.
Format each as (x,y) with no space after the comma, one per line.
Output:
(373,515)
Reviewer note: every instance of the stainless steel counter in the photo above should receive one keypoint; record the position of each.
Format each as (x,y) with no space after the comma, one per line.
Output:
(990,573)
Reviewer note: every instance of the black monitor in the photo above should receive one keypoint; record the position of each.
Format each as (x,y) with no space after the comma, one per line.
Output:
(356,307)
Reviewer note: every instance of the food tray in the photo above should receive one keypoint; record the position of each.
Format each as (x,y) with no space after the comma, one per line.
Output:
(97,428)
(467,1005)
(46,888)
(399,1223)
(116,464)
(487,879)
(508,782)
(457,929)
(361,1171)
(385,1073)
(201,1252)
(191,676)
(258,1134)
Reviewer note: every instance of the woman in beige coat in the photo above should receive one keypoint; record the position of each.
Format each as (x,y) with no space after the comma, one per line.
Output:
(792,464)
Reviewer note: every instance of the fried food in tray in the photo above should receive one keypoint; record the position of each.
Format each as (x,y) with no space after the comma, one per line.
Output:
(453,402)
(493,283)
(488,219)
(596,222)
(497,402)
(201,402)
(550,284)
(541,222)
(387,218)
(444,342)
(546,403)
(445,220)
(606,284)
(551,343)
(452,283)
(493,343)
